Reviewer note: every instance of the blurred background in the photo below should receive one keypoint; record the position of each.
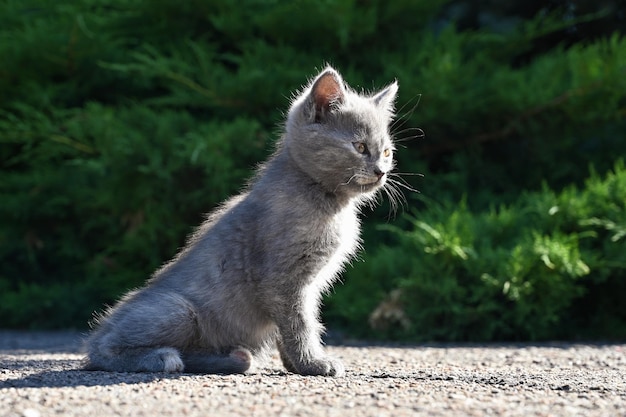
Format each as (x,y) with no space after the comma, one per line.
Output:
(123,121)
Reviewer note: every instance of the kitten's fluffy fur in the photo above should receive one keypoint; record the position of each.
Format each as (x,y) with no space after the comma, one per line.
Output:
(251,277)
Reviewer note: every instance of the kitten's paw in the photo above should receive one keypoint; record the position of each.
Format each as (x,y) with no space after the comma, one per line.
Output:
(242,355)
(170,359)
(326,366)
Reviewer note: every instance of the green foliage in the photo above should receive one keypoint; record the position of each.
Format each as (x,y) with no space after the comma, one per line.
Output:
(121,122)
(116,201)
(532,270)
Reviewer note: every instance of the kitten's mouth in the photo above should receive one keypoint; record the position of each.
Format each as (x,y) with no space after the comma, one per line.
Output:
(379,180)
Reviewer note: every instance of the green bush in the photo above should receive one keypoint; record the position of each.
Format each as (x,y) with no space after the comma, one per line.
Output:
(102,212)
(122,122)
(537,269)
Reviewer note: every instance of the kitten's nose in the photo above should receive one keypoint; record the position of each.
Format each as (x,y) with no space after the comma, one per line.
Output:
(378,172)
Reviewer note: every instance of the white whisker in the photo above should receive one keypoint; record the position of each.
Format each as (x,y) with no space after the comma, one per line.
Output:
(345,183)
(417,174)
(401,182)
(400,120)
(418,133)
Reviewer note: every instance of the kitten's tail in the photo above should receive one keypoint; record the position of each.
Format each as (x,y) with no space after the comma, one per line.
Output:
(237,362)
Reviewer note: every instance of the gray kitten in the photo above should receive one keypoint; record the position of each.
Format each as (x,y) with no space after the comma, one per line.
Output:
(251,277)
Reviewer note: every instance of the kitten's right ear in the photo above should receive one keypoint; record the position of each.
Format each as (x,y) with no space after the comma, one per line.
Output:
(327,92)
(385,98)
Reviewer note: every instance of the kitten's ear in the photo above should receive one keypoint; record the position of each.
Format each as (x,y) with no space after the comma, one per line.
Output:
(385,98)
(327,92)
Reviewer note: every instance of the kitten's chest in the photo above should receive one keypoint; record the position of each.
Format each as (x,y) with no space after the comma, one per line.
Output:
(337,234)
(345,227)
(306,244)
(342,241)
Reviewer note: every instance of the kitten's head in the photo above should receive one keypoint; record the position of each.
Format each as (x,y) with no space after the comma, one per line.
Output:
(341,138)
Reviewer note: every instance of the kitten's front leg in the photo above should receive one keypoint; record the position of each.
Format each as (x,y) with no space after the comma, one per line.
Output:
(307,357)
(284,358)
(300,344)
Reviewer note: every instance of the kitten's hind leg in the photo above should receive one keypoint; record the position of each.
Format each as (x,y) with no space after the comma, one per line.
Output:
(143,333)
(237,361)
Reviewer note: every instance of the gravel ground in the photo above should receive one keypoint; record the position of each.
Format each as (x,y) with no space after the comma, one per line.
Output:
(40,376)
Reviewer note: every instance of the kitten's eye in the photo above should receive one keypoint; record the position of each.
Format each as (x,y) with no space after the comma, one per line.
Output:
(360,147)
(387,152)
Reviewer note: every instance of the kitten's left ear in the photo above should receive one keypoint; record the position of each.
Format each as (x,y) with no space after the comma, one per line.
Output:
(385,98)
